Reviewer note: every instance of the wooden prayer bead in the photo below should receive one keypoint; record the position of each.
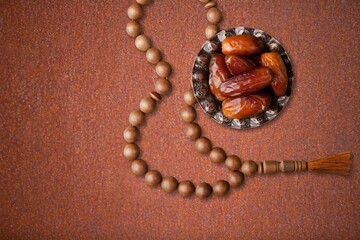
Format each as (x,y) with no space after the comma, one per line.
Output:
(136,117)
(134,11)
(169,184)
(211,30)
(221,188)
(192,131)
(203,145)
(133,29)
(163,69)
(233,162)
(142,42)
(186,188)
(236,179)
(188,114)
(162,86)
(153,178)
(203,190)
(249,168)
(147,105)
(131,151)
(189,97)
(217,155)
(214,15)
(153,55)
(131,134)
(139,167)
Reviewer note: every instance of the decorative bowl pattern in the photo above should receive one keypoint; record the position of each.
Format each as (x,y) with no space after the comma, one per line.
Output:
(200,78)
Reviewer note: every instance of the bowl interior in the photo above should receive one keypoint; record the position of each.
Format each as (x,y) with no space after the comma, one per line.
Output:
(200,79)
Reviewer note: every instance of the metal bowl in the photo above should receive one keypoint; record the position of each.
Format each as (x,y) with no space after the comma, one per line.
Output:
(200,80)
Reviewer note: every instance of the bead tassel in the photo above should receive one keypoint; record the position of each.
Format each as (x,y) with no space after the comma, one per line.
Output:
(337,164)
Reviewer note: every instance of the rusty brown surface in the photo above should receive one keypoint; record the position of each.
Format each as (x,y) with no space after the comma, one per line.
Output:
(70,76)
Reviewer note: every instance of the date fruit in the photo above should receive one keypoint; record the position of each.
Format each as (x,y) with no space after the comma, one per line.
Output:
(274,61)
(246,106)
(244,45)
(238,64)
(248,82)
(218,74)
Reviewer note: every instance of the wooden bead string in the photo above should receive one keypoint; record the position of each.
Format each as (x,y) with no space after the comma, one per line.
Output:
(193,131)
(147,105)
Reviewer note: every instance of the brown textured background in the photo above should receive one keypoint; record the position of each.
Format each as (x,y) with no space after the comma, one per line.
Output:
(70,76)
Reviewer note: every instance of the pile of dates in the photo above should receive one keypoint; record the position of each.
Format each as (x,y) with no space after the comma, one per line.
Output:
(245,77)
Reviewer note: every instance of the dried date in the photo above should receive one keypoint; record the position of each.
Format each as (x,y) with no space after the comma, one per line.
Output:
(248,82)
(219,73)
(274,61)
(246,106)
(244,45)
(238,64)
